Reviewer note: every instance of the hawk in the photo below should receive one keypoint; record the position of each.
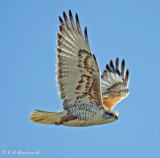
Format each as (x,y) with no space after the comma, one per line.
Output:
(88,97)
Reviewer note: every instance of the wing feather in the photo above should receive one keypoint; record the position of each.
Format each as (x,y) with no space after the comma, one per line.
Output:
(72,21)
(78,74)
(114,83)
(86,36)
(123,69)
(78,25)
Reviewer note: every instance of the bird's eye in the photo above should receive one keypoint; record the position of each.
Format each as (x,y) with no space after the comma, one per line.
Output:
(108,113)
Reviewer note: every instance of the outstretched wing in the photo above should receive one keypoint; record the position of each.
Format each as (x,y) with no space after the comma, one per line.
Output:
(78,74)
(114,84)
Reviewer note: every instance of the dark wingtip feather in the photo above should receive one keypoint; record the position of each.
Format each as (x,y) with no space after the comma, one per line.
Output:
(94,57)
(117,63)
(123,69)
(127,73)
(58,50)
(123,62)
(117,59)
(58,43)
(78,24)
(111,65)
(77,19)
(61,21)
(70,14)
(86,35)
(107,67)
(127,77)
(117,66)
(60,28)
(59,36)
(64,15)
(71,20)
(85,31)
(66,20)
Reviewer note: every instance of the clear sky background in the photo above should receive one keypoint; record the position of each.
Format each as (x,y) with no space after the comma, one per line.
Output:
(129,29)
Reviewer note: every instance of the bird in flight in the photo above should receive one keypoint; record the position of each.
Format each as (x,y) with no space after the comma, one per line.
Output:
(88,96)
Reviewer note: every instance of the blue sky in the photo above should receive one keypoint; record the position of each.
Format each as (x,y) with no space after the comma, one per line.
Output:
(127,29)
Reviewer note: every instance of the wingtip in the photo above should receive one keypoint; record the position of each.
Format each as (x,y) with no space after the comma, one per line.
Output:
(70,14)
(127,72)
(60,19)
(123,69)
(95,58)
(112,65)
(58,50)
(123,62)
(63,12)
(77,17)
(64,15)
(59,36)
(127,77)
(85,30)
(78,25)
(117,66)
(86,35)
(107,67)
(60,28)
(117,60)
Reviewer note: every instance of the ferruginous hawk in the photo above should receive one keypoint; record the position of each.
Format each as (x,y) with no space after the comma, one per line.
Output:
(88,97)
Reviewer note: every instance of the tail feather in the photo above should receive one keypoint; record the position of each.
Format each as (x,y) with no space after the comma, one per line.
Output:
(44,117)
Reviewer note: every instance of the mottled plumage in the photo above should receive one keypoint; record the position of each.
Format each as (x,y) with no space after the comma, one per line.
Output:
(88,97)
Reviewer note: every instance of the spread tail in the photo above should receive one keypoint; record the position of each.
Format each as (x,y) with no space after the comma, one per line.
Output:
(44,117)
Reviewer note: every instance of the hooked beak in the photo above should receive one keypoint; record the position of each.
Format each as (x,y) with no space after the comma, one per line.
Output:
(116,116)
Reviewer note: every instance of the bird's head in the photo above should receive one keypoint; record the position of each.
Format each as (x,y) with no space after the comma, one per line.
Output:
(110,115)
